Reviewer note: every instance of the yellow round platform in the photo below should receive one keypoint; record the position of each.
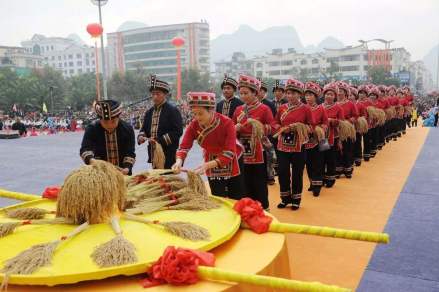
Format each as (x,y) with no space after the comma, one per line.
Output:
(72,262)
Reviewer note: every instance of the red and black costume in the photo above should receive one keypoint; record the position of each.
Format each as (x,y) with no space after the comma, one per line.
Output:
(291,149)
(334,113)
(227,106)
(362,106)
(219,143)
(255,173)
(314,157)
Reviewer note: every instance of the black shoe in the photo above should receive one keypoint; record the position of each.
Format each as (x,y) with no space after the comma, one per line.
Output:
(395,139)
(316,191)
(295,207)
(337,176)
(348,175)
(357,163)
(310,188)
(282,205)
(271,182)
(366,159)
(330,183)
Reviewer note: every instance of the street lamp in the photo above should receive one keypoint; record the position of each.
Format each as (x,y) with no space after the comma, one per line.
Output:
(95,30)
(101,3)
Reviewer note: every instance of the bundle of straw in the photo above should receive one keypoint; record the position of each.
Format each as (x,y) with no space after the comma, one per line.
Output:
(302,132)
(196,183)
(28,213)
(92,193)
(158,156)
(185,230)
(361,125)
(257,128)
(408,110)
(319,133)
(37,256)
(390,113)
(116,252)
(346,131)
(381,117)
(372,113)
(9,227)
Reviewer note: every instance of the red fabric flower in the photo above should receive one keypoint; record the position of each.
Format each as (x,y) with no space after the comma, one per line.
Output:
(178,266)
(253,215)
(51,192)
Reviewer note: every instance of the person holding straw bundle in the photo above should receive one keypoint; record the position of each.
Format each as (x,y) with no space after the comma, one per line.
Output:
(362,104)
(314,156)
(335,114)
(295,120)
(110,138)
(162,126)
(215,133)
(253,120)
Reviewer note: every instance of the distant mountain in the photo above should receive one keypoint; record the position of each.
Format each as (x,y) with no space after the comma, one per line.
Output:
(430,61)
(127,25)
(252,42)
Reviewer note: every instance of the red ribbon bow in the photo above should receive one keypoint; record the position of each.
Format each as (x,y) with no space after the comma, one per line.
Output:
(51,192)
(253,215)
(178,266)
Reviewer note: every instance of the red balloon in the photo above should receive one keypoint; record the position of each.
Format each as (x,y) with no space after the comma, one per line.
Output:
(178,41)
(95,29)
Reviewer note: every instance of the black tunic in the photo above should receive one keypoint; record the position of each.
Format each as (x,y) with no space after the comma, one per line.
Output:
(270,104)
(228,107)
(117,147)
(164,124)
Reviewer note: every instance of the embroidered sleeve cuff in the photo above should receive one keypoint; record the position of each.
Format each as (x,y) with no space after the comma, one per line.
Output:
(86,156)
(141,134)
(182,153)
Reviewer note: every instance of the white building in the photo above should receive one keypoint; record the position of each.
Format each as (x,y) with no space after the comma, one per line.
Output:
(350,63)
(63,54)
(150,49)
(420,78)
(18,58)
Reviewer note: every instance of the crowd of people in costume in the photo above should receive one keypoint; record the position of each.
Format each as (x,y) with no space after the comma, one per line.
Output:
(248,140)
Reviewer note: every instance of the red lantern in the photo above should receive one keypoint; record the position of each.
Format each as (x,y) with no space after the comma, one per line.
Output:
(95,29)
(178,41)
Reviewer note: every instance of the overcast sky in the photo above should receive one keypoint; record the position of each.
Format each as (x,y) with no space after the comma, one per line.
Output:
(412,24)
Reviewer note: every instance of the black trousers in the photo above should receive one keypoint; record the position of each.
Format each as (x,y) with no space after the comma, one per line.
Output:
(291,166)
(403,125)
(381,136)
(232,187)
(345,158)
(255,179)
(407,121)
(374,141)
(367,143)
(415,123)
(314,166)
(436,117)
(329,163)
(358,148)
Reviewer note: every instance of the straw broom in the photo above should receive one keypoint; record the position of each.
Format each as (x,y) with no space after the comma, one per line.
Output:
(115,252)
(158,156)
(390,113)
(35,257)
(9,227)
(28,213)
(185,230)
(196,183)
(301,130)
(346,131)
(361,125)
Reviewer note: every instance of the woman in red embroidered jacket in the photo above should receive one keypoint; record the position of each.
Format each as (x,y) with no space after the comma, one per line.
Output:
(334,113)
(245,118)
(362,104)
(314,158)
(345,155)
(290,146)
(215,133)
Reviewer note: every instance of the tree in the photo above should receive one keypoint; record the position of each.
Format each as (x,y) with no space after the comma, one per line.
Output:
(333,70)
(194,80)
(303,74)
(379,75)
(82,90)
